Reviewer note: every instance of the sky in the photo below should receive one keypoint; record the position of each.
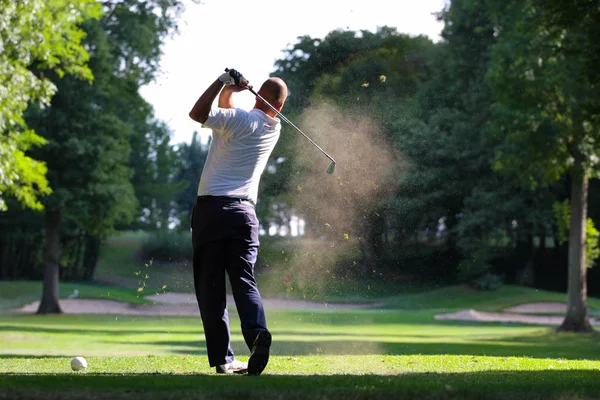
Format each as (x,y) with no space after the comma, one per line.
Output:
(250,35)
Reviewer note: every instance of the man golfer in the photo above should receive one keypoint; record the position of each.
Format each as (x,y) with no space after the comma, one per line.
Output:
(224,223)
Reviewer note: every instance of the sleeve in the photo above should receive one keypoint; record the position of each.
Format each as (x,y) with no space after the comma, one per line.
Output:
(224,120)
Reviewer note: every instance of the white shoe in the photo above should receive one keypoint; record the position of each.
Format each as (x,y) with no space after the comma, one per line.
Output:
(234,367)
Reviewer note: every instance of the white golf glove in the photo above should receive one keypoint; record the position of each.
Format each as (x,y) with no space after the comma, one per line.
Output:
(231,77)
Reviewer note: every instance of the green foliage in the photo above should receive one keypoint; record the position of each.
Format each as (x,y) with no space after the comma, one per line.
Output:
(102,141)
(562,212)
(34,35)
(122,262)
(448,175)
(434,104)
(380,68)
(592,248)
(355,89)
(547,110)
(90,141)
(134,33)
(455,151)
(167,245)
(490,282)
(138,28)
(191,159)
(369,80)
(475,265)
(22,177)
(155,164)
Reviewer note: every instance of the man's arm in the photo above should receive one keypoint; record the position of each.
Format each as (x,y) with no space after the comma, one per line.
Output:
(226,98)
(203,105)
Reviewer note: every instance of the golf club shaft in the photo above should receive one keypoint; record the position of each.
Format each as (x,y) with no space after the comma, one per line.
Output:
(290,122)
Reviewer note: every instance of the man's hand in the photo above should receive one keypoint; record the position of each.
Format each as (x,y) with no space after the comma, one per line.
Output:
(233,77)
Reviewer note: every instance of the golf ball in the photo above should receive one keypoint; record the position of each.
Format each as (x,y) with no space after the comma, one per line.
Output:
(78,363)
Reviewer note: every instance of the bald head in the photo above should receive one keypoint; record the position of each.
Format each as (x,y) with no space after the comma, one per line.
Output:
(274,90)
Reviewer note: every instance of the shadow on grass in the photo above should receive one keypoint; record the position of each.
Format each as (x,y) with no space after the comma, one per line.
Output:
(544,343)
(572,384)
(116,330)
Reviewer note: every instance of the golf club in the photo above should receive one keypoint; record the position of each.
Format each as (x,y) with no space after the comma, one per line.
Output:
(331,167)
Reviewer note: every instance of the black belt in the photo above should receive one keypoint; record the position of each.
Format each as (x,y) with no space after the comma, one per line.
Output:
(228,199)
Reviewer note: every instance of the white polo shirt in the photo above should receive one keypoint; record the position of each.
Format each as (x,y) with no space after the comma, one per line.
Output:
(241,144)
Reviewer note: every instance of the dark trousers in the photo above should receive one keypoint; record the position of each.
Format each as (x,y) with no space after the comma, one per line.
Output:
(225,239)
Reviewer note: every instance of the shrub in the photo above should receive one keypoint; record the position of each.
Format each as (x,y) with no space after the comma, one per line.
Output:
(474,266)
(488,282)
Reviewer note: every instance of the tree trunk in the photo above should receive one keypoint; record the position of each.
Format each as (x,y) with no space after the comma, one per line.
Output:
(49,303)
(576,319)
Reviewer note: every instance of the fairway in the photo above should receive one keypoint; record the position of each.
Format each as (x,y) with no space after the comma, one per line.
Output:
(319,354)
(300,333)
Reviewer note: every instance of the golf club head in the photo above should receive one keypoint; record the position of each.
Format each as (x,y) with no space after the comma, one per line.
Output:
(331,168)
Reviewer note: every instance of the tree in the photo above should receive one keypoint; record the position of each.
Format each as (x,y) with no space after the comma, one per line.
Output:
(35,35)
(87,155)
(337,69)
(155,163)
(301,67)
(348,89)
(374,88)
(88,126)
(444,141)
(473,215)
(544,73)
(191,159)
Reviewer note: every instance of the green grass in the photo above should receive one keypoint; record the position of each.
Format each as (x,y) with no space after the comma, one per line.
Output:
(396,377)
(117,257)
(397,351)
(350,354)
(118,265)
